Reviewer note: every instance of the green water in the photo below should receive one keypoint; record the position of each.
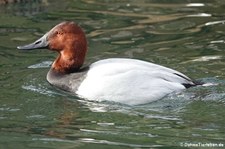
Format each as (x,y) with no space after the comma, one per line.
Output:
(185,35)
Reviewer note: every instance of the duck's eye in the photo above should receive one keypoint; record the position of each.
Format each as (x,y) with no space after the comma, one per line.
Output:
(59,33)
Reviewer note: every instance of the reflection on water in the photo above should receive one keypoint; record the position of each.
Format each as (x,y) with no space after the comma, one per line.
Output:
(186,36)
(23,8)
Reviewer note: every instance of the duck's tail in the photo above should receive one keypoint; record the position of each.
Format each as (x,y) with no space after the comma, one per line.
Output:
(194,83)
(199,83)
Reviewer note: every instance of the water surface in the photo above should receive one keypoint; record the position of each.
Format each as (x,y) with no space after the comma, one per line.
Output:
(184,35)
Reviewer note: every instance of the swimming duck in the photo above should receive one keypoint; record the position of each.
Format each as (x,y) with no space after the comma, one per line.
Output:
(123,80)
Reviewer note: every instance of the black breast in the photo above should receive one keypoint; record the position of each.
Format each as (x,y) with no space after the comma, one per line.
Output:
(68,82)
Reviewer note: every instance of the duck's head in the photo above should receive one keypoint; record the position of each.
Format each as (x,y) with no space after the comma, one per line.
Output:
(69,40)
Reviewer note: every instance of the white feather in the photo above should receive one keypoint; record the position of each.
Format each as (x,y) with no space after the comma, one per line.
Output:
(130,81)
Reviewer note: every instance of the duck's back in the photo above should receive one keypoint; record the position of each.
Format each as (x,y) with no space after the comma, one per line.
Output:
(130,81)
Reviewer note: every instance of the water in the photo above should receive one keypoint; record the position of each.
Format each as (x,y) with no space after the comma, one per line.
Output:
(185,35)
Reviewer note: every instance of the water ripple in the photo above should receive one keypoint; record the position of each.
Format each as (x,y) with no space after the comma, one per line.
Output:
(195,5)
(44,64)
(91,140)
(214,23)
(40,89)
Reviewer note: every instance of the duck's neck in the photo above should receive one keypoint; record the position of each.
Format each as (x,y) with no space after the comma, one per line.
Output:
(68,62)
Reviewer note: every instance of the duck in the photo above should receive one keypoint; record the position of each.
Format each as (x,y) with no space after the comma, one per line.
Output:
(121,80)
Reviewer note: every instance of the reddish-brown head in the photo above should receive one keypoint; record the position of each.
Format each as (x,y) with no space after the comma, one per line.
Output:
(69,40)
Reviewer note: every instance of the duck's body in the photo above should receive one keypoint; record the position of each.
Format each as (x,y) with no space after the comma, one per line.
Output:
(127,81)
(130,81)
(121,80)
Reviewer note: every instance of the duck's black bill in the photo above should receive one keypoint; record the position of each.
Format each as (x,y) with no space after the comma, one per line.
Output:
(38,44)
